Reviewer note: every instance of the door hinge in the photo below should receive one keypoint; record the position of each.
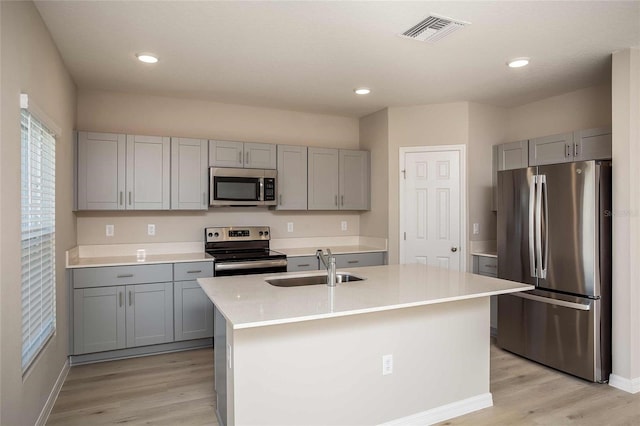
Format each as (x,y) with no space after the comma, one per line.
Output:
(404,173)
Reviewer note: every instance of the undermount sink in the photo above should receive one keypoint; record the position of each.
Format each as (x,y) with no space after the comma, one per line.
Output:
(312,280)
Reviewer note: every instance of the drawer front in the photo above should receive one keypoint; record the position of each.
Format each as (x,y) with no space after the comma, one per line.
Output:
(356,260)
(302,263)
(488,266)
(122,275)
(192,270)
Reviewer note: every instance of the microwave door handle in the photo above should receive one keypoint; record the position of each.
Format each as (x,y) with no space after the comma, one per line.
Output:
(532,200)
(261,190)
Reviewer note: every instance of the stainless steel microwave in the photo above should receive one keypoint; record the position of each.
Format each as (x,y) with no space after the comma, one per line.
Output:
(242,187)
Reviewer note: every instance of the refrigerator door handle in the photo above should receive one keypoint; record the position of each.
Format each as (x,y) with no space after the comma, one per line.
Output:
(544,258)
(532,200)
(549,301)
(538,226)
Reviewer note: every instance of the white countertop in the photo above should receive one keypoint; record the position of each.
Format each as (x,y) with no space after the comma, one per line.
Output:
(248,301)
(127,260)
(485,254)
(311,251)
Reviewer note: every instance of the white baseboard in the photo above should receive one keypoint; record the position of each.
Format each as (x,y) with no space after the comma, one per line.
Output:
(622,383)
(46,410)
(445,412)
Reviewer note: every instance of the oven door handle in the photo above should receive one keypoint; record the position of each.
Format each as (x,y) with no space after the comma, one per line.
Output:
(234,266)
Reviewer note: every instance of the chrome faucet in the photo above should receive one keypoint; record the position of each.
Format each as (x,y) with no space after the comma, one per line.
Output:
(329,262)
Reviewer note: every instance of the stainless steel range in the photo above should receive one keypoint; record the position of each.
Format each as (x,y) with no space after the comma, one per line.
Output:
(242,250)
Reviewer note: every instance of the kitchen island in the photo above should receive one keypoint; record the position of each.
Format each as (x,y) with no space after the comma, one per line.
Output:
(407,345)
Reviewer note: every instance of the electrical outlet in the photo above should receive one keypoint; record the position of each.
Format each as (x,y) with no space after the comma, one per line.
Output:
(151,229)
(476,228)
(387,364)
(289,226)
(109,230)
(343,225)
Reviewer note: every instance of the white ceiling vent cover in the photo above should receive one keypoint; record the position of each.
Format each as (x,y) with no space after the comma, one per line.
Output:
(433,28)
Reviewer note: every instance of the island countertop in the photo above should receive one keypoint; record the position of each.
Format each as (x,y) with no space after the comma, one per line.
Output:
(248,301)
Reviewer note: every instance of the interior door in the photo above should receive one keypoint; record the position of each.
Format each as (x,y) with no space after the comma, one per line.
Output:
(431,210)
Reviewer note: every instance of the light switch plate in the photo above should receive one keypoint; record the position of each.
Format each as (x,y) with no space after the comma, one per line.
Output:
(151,229)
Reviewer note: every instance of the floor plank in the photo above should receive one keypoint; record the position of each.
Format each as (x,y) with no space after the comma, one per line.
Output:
(177,388)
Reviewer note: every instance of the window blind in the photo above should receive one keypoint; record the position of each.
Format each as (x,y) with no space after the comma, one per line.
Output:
(38,199)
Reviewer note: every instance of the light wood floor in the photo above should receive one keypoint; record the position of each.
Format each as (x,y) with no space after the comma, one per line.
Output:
(177,389)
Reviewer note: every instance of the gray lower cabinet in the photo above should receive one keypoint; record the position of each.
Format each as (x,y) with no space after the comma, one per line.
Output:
(193,311)
(122,307)
(355,260)
(302,263)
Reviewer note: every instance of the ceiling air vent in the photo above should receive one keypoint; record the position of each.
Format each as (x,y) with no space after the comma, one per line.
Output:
(433,28)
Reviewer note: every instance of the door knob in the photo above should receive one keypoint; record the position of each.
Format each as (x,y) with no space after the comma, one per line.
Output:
(454,249)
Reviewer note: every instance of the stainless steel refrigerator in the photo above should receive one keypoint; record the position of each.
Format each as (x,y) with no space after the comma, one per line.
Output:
(554,232)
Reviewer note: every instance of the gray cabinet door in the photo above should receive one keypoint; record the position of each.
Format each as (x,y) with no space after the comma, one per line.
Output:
(513,155)
(592,144)
(322,179)
(101,171)
(149,314)
(355,260)
(354,180)
(148,169)
(551,149)
(226,154)
(292,177)
(98,319)
(193,313)
(302,263)
(259,155)
(189,166)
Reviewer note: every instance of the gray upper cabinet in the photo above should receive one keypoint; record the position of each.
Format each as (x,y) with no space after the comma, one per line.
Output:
(513,155)
(242,154)
(592,144)
(148,172)
(551,149)
(189,164)
(322,179)
(354,180)
(101,171)
(292,177)
(338,179)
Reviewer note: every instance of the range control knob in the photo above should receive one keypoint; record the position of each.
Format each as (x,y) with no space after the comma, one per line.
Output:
(261,233)
(216,235)
(209,234)
(266,233)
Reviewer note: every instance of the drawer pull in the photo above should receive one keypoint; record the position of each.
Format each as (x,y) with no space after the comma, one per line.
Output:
(130,298)
(490,266)
(304,264)
(125,276)
(194,272)
(353,261)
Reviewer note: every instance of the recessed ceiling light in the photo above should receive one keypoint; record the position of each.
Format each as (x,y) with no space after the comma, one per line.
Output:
(362,91)
(518,62)
(147,58)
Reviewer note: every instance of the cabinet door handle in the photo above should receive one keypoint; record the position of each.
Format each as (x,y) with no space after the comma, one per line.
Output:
(240,157)
(576,152)
(130,297)
(121,197)
(335,200)
(353,261)
(246,159)
(129,197)
(194,272)
(568,150)
(120,296)
(204,196)
(342,200)
(125,276)
(280,197)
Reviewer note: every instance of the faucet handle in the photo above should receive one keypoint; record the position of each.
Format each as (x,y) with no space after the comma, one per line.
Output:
(329,253)
(318,253)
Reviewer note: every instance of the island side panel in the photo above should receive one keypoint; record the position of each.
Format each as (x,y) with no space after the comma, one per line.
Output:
(329,371)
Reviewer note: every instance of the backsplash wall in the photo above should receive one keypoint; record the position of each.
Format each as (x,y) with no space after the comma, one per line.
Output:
(131,227)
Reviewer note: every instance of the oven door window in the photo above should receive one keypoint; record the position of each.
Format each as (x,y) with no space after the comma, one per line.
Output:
(236,188)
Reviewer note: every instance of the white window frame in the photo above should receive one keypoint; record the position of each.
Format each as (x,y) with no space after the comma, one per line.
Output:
(38,271)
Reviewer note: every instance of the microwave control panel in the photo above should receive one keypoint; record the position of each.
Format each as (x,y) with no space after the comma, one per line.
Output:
(269,189)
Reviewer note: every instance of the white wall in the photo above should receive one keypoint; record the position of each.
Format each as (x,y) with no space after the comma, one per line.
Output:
(155,115)
(626,219)
(31,64)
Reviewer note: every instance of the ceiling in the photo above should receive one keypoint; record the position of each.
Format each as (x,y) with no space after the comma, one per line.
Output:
(310,55)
